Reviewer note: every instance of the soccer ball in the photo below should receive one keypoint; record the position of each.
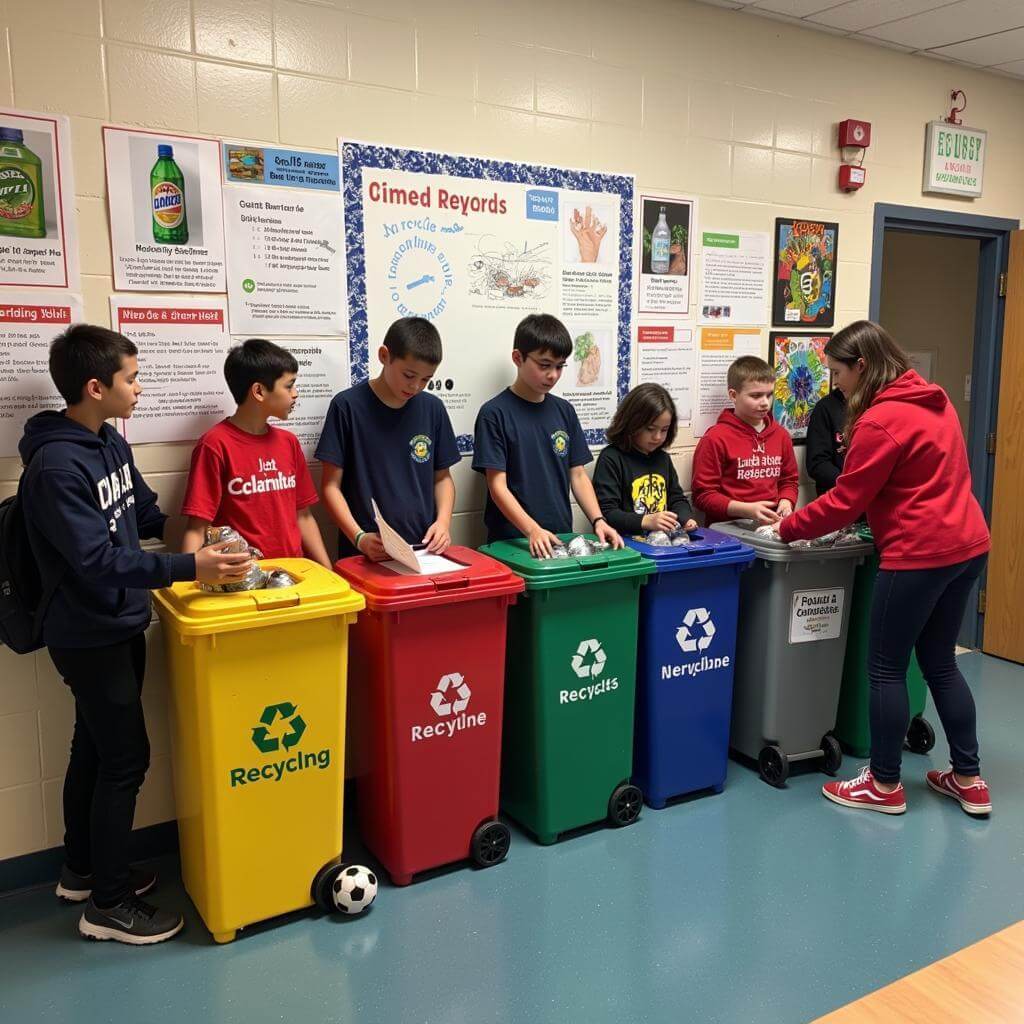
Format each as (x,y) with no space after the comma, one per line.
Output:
(354,889)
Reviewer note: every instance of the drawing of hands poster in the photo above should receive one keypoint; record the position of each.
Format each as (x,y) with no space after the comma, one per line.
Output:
(476,245)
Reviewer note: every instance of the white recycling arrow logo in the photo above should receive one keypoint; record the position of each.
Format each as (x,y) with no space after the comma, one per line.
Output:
(692,639)
(443,707)
(595,666)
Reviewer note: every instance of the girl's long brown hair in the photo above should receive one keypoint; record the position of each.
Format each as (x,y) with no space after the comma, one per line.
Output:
(884,361)
(639,409)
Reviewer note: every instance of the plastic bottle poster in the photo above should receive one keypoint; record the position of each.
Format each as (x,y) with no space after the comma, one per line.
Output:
(665,245)
(182,345)
(285,242)
(477,245)
(38,226)
(166,223)
(719,346)
(29,321)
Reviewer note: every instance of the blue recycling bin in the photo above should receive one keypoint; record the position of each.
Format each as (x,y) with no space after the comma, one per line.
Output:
(686,654)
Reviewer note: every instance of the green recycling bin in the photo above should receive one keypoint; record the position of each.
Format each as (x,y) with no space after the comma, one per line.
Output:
(570,686)
(852,729)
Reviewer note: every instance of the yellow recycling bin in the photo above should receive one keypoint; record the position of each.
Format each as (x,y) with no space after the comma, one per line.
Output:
(257,684)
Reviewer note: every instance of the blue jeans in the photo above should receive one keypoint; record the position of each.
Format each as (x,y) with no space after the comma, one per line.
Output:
(920,609)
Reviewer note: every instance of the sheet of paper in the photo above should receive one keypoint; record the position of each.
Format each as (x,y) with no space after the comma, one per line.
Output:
(719,346)
(399,549)
(429,565)
(666,355)
(734,277)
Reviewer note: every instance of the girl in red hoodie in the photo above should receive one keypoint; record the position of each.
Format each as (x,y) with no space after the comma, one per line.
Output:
(906,467)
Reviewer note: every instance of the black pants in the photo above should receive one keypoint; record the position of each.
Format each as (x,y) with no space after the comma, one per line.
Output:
(920,609)
(109,758)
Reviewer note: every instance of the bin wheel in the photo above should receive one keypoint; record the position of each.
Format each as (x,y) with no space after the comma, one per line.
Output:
(490,844)
(625,804)
(920,736)
(773,766)
(833,753)
(323,885)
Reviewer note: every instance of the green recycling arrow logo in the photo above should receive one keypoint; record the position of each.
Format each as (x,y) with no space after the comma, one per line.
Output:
(287,712)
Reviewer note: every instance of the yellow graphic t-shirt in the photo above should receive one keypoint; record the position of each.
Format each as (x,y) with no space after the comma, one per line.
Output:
(650,494)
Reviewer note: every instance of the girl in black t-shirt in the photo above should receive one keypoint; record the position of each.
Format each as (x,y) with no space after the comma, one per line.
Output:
(635,481)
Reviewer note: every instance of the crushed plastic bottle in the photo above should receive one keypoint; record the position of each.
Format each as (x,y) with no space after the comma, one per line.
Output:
(577,547)
(255,578)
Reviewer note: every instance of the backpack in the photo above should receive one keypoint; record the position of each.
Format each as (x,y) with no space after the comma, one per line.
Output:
(23,598)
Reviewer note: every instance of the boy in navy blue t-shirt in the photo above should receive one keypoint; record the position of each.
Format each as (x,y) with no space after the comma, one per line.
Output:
(386,440)
(530,445)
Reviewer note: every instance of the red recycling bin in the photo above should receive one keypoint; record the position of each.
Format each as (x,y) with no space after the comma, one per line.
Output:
(426,691)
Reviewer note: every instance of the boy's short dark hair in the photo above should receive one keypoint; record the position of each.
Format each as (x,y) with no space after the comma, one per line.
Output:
(413,337)
(84,352)
(542,332)
(256,361)
(749,370)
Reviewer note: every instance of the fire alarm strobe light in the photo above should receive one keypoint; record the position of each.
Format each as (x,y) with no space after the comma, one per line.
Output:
(851,177)
(855,133)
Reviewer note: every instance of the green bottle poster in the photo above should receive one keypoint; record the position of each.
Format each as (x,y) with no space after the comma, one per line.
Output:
(167,184)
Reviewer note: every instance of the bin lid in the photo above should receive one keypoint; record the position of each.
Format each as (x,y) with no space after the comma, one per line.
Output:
(548,573)
(707,548)
(771,549)
(387,590)
(191,611)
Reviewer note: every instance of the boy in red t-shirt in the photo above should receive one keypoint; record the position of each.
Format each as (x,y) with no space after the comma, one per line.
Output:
(249,475)
(744,466)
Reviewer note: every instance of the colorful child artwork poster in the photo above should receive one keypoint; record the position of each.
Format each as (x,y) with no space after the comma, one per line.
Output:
(802,379)
(476,245)
(805,273)
(166,223)
(38,228)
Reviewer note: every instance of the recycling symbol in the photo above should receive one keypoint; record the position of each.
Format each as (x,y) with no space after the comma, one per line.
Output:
(267,744)
(589,659)
(697,631)
(439,699)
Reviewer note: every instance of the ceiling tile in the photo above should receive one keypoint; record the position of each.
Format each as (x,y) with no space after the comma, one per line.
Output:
(1015,67)
(1000,48)
(857,15)
(881,42)
(796,8)
(966,19)
(762,12)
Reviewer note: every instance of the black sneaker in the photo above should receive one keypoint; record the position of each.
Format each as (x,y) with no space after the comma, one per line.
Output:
(73,888)
(133,921)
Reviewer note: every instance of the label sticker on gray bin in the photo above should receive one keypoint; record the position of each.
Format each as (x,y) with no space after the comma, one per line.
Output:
(816,615)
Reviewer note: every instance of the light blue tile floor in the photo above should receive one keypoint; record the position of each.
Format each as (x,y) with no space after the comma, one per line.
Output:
(756,905)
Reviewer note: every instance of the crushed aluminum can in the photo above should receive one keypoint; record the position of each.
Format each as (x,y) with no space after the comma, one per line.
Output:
(679,538)
(278,578)
(255,578)
(582,547)
(559,551)
(658,539)
(768,532)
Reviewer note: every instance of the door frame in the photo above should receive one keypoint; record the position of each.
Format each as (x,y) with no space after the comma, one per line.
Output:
(993,233)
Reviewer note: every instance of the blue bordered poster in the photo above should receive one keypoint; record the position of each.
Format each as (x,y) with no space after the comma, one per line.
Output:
(475,245)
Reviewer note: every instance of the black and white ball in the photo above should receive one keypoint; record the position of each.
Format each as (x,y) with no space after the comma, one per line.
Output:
(354,889)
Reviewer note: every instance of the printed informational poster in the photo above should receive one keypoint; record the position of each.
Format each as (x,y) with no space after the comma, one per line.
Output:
(29,321)
(719,346)
(166,223)
(666,355)
(734,277)
(665,230)
(802,379)
(924,363)
(477,245)
(323,372)
(182,345)
(804,293)
(816,615)
(282,218)
(38,226)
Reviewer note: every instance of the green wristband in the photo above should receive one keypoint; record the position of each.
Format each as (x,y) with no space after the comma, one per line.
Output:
(359,536)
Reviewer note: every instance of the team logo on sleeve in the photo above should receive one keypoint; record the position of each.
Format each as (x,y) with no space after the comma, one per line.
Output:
(560,443)
(419,448)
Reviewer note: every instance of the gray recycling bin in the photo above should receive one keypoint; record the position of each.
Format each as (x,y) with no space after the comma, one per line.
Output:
(790,646)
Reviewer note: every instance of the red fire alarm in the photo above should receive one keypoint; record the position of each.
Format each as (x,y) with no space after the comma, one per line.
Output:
(855,133)
(851,177)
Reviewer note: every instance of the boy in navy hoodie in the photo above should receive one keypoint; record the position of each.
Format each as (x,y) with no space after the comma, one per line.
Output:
(86,509)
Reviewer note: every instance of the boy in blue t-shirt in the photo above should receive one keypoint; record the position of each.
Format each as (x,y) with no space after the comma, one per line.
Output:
(530,445)
(385,440)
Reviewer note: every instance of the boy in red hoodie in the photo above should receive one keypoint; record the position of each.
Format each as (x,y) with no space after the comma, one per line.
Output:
(744,466)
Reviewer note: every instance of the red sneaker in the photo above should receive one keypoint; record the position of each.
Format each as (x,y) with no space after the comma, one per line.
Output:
(974,799)
(863,792)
